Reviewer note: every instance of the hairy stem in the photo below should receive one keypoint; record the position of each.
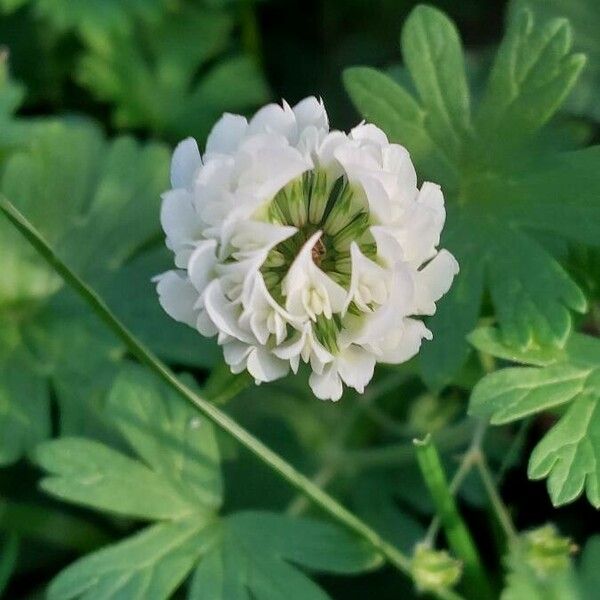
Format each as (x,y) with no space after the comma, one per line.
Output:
(286,471)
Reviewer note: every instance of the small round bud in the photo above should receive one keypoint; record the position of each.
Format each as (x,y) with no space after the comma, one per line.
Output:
(434,570)
(546,551)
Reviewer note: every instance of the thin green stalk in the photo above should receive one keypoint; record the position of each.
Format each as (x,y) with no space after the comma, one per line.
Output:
(475,581)
(286,471)
(495,500)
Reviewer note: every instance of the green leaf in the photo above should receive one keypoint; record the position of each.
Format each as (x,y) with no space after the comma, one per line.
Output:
(24,408)
(555,195)
(150,74)
(533,73)
(84,195)
(251,558)
(531,292)
(584,17)
(569,454)
(150,564)
(166,432)
(512,394)
(502,176)
(489,340)
(433,53)
(389,106)
(92,474)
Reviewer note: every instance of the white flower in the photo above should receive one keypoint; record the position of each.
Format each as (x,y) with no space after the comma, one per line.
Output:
(293,243)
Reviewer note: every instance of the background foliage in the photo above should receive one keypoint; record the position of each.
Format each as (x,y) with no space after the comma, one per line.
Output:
(111,486)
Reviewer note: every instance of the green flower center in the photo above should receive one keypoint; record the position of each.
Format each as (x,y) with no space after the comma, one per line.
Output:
(316,201)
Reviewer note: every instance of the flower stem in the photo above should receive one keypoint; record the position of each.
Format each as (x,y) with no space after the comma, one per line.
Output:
(286,471)
(476,583)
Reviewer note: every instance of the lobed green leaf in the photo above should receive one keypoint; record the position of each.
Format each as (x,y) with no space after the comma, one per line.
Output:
(91,474)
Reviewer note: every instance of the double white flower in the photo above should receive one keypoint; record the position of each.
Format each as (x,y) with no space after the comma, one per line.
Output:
(295,243)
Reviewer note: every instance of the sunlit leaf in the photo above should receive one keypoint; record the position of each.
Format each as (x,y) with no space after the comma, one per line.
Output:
(150,564)
(167,433)
(179,486)
(92,474)
(569,453)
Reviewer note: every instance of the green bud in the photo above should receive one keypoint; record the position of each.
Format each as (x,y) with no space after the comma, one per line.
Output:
(317,185)
(344,264)
(272,279)
(546,551)
(274,260)
(346,205)
(326,331)
(351,232)
(297,200)
(434,570)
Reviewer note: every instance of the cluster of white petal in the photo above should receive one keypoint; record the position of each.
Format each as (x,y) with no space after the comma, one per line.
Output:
(217,224)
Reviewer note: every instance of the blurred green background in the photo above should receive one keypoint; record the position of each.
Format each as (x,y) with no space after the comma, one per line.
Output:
(78,73)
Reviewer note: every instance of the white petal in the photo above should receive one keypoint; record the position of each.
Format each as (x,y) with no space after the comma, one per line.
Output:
(274,118)
(235,354)
(421,230)
(365,270)
(326,385)
(388,247)
(264,366)
(386,319)
(184,164)
(181,224)
(311,112)
(291,348)
(204,325)
(369,132)
(270,170)
(177,296)
(433,281)
(224,314)
(225,136)
(409,343)
(356,367)
(201,264)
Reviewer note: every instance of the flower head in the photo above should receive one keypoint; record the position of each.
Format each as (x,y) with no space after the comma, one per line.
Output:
(294,243)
